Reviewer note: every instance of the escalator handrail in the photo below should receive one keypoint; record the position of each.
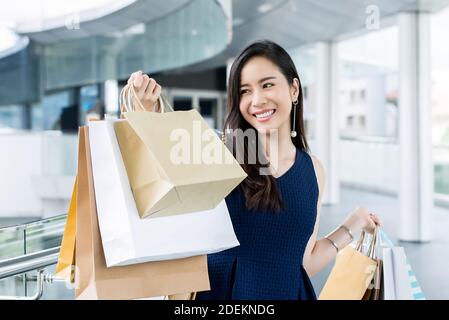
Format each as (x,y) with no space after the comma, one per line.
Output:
(28,262)
(31,224)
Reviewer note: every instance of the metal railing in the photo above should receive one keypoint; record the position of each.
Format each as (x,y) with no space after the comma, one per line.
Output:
(28,262)
(22,262)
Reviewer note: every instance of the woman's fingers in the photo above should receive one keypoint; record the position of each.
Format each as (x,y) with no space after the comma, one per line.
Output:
(376,219)
(154,94)
(157,91)
(150,86)
(147,91)
(141,83)
(370,226)
(155,97)
(133,76)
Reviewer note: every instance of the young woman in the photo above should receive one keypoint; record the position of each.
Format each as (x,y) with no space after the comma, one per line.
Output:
(275,216)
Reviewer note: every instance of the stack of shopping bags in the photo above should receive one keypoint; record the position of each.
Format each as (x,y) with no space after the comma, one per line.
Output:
(399,282)
(139,225)
(373,269)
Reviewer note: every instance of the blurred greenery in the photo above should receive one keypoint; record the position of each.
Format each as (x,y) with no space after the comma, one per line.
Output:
(441,173)
(445,138)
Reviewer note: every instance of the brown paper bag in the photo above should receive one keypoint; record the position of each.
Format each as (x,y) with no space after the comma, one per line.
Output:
(352,273)
(374,291)
(162,184)
(95,281)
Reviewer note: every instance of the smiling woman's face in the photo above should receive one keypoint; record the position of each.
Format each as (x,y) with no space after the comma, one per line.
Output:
(265,95)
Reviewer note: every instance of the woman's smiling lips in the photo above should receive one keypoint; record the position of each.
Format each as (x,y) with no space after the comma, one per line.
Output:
(264,115)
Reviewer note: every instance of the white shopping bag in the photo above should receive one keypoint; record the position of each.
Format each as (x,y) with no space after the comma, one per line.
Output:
(388,288)
(399,281)
(403,289)
(128,239)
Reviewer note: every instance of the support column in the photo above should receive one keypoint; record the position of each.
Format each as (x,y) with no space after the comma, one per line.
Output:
(416,175)
(327,133)
(111,97)
(229,63)
(375,105)
(223,107)
(27,116)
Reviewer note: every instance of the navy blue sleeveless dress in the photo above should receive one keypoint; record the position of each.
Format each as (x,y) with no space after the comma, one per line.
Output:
(268,263)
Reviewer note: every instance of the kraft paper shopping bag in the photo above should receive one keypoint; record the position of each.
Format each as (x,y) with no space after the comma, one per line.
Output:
(352,273)
(175,162)
(66,259)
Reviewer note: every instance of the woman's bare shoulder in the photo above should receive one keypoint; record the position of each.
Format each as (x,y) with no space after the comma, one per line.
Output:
(319,169)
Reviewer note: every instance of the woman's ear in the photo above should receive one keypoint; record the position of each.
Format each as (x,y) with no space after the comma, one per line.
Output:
(294,91)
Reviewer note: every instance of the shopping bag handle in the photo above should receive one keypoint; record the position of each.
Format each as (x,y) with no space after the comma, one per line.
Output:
(383,238)
(372,247)
(123,101)
(126,100)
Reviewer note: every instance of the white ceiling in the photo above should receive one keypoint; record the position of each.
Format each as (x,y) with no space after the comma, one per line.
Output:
(121,19)
(293,23)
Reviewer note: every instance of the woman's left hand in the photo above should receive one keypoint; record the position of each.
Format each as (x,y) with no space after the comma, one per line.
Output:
(362,219)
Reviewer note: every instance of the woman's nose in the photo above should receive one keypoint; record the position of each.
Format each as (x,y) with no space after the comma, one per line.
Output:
(258,98)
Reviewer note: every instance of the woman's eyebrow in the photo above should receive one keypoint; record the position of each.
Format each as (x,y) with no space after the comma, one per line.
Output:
(260,81)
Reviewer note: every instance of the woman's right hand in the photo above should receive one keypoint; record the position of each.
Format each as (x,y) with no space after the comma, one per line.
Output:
(147,90)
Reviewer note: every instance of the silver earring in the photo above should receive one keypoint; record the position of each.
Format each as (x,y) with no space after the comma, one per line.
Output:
(293,132)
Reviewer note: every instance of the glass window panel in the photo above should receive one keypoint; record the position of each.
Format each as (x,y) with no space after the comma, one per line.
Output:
(440,99)
(182,103)
(369,84)
(11,117)
(208,109)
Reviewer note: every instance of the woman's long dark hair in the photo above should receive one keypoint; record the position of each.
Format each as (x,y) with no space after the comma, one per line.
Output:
(260,191)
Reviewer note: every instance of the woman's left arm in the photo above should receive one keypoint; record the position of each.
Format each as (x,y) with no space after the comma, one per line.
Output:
(319,253)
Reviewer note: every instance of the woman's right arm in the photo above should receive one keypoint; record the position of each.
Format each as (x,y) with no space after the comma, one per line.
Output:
(147,90)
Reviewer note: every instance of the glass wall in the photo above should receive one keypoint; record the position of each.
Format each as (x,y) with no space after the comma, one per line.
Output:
(12,118)
(91,103)
(369,84)
(57,111)
(440,99)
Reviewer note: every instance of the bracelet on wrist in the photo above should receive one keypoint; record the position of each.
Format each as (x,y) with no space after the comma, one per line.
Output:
(348,231)
(333,243)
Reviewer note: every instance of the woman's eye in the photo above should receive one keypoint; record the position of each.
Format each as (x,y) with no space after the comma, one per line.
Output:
(243,91)
(268,85)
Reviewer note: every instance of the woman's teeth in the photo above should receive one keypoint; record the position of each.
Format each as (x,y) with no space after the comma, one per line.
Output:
(264,115)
